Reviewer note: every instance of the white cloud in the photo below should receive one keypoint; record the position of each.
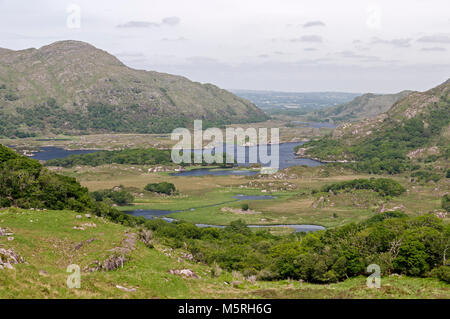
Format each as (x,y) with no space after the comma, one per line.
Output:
(437,38)
(316,23)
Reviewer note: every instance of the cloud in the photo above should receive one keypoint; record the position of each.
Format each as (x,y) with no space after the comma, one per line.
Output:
(434,49)
(263,56)
(399,43)
(309,49)
(169,21)
(138,24)
(308,38)
(436,38)
(310,24)
(129,55)
(172,21)
(202,60)
(175,39)
(362,58)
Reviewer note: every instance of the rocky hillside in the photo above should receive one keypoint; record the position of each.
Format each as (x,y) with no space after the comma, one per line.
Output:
(415,128)
(73,87)
(365,106)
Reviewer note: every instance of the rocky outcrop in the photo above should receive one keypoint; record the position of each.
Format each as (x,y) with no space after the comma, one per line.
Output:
(118,257)
(187,273)
(8,257)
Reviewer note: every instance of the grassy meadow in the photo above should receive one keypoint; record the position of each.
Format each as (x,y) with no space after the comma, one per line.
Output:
(48,242)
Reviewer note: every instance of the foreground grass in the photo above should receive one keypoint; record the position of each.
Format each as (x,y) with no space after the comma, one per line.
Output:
(46,240)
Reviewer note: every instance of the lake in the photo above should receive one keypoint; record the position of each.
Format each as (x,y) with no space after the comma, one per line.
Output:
(50,152)
(154,213)
(287,158)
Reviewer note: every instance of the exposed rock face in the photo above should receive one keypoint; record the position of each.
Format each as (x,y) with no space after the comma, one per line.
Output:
(117,259)
(9,257)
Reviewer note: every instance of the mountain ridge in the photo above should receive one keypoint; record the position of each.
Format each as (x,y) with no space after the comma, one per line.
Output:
(415,128)
(76,84)
(367,105)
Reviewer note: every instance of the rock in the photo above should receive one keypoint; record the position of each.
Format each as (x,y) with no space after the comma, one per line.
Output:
(5,232)
(145,236)
(126,289)
(8,257)
(78,217)
(114,262)
(78,246)
(10,238)
(117,259)
(43,273)
(187,256)
(184,273)
(87,215)
(89,225)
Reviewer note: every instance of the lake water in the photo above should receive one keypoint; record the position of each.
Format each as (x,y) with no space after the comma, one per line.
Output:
(287,158)
(154,213)
(49,152)
(253,197)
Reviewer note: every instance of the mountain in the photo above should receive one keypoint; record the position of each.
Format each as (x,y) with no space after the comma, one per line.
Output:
(72,87)
(269,100)
(364,106)
(416,129)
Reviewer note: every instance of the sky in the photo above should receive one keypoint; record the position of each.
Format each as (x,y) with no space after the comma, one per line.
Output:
(382,46)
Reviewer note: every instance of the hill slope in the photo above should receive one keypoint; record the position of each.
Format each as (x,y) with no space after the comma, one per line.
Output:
(417,126)
(364,106)
(73,87)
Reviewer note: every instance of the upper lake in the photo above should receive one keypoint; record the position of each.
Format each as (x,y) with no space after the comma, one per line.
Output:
(50,152)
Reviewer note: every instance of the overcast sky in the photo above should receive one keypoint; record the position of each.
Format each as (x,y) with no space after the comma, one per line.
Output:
(287,45)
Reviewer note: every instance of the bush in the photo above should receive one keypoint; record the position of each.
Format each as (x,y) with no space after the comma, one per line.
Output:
(383,186)
(244,207)
(117,196)
(162,188)
(138,156)
(446,202)
(443,273)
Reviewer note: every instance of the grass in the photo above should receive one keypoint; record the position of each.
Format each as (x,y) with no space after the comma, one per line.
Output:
(209,194)
(46,240)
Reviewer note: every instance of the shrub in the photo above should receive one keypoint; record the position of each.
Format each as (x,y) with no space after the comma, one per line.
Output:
(446,202)
(117,196)
(383,186)
(162,188)
(443,273)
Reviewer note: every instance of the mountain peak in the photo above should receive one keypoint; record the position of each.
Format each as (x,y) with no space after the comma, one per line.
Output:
(67,45)
(85,89)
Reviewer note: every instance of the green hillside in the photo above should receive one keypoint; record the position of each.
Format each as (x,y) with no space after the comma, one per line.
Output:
(415,131)
(365,106)
(74,88)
